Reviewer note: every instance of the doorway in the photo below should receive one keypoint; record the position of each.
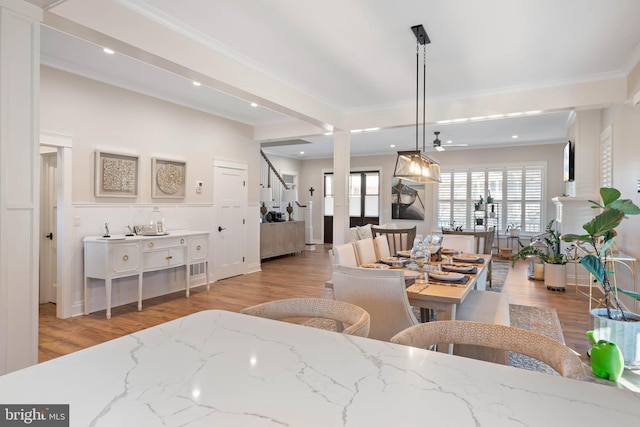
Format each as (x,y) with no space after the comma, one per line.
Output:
(229,235)
(59,221)
(48,224)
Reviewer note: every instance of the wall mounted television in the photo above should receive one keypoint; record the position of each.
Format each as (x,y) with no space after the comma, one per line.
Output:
(569,162)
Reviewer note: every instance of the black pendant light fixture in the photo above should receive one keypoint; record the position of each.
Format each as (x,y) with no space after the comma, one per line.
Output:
(415,165)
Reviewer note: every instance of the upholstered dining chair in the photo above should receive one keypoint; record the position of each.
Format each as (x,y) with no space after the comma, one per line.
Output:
(345,255)
(382,293)
(365,251)
(353,319)
(382,247)
(555,354)
(399,239)
(458,242)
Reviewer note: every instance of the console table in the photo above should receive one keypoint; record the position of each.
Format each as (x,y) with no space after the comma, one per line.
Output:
(281,238)
(109,258)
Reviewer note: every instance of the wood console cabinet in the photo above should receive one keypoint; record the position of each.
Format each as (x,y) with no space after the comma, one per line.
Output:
(281,238)
(116,257)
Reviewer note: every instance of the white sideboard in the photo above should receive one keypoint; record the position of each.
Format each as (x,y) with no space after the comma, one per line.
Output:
(109,258)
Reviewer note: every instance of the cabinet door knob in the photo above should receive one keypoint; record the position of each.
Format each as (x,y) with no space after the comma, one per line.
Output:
(169,257)
(125,258)
(150,244)
(198,248)
(181,241)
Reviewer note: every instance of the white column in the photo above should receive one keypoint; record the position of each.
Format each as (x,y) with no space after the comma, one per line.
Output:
(341,168)
(19,189)
(308,227)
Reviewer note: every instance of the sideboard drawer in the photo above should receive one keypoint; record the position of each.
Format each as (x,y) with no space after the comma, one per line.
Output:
(165,242)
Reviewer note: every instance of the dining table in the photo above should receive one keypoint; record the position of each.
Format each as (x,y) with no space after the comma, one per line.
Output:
(445,296)
(221,368)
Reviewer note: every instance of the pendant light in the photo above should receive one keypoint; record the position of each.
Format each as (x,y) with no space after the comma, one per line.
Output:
(415,165)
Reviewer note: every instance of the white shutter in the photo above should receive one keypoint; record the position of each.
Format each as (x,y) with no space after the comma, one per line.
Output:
(606,157)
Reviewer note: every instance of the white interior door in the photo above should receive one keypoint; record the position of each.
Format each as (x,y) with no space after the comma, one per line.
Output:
(48,227)
(230,200)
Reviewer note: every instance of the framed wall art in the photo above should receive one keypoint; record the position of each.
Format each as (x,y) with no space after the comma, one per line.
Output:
(168,178)
(116,175)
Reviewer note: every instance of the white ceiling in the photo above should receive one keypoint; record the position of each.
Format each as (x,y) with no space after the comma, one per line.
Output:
(359,55)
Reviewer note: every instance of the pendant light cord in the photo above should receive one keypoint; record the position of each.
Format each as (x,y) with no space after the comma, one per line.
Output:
(424,96)
(417,89)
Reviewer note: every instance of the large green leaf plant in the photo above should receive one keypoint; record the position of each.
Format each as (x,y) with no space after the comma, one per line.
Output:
(596,245)
(552,255)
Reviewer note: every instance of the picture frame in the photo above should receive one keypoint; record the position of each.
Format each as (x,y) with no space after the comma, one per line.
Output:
(116,175)
(168,178)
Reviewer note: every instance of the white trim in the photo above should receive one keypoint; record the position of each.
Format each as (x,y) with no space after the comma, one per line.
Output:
(64,242)
(230,164)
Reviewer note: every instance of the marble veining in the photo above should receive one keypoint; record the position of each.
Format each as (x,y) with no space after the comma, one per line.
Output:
(223,368)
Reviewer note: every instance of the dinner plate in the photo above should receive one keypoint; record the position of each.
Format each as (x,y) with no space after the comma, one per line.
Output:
(458,268)
(380,266)
(467,258)
(446,276)
(449,251)
(404,253)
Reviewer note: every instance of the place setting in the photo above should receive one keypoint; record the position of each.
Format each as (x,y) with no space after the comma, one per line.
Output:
(447,278)
(460,268)
(395,262)
(468,258)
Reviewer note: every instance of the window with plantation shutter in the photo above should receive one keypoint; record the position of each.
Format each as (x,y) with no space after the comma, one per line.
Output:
(517,192)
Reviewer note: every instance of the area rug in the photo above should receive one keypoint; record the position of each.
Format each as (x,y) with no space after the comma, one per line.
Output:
(499,271)
(542,320)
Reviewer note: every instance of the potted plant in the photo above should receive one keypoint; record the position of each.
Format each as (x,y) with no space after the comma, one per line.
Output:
(513,229)
(479,205)
(553,259)
(611,323)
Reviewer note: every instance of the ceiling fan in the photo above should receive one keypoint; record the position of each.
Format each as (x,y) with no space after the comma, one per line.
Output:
(437,144)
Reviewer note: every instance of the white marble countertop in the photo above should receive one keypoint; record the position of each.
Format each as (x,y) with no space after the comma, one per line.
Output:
(227,369)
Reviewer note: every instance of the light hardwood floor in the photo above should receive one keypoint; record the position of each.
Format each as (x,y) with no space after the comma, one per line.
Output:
(285,277)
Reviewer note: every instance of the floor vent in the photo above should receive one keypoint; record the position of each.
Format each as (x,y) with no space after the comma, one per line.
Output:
(197,269)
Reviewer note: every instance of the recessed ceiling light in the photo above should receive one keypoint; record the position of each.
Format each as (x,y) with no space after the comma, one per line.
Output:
(195,83)
(254,105)
(449,141)
(109,51)
(393,146)
(301,153)
(514,136)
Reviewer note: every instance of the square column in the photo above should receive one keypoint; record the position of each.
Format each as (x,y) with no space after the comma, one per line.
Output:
(19,188)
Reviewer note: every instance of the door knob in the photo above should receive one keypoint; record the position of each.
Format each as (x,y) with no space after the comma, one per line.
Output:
(49,236)
(220,228)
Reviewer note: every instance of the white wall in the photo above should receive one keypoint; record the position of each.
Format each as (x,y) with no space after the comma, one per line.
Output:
(102,117)
(552,154)
(625,121)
